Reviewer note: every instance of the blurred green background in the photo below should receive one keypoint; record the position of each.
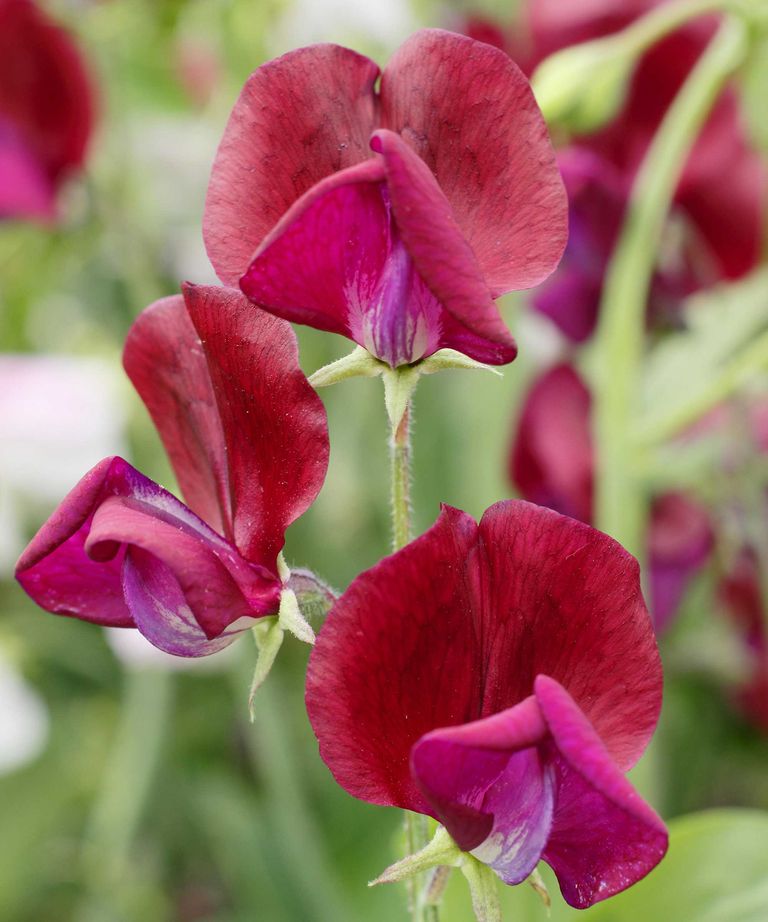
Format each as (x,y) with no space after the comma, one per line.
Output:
(147,795)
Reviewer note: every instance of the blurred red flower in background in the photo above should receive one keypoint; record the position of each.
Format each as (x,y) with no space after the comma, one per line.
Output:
(552,462)
(46,110)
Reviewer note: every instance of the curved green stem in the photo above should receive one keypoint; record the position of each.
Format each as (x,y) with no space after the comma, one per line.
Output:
(620,509)
(142,729)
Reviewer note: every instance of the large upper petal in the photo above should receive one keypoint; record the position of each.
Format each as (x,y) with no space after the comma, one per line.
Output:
(45,92)
(298,119)
(469,113)
(117,528)
(457,625)
(245,431)
(165,360)
(273,422)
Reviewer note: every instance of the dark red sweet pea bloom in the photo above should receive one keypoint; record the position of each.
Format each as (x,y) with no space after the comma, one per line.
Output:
(394,216)
(551,462)
(501,678)
(46,110)
(247,437)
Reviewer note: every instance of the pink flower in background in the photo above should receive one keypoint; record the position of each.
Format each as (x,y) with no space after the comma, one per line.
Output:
(395,216)
(46,110)
(247,437)
(472,676)
(552,463)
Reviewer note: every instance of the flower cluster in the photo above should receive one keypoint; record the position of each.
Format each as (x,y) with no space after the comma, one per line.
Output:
(499,677)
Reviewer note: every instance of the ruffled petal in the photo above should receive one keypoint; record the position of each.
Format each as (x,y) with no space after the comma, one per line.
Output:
(469,113)
(25,190)
(604,836)
(76,564)
(298,119)
(273,422)
(551,461)
(585,623)
(166,363)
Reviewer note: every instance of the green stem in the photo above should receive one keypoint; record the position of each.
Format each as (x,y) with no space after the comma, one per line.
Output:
(143,725)
(416,825)
(660,21)
(400,469)
(620,509)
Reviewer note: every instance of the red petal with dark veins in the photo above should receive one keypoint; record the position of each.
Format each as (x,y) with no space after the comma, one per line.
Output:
(76,563)
(274,423)
(298,119)
(604,836)
(456,626)
(166,363)
(469,113)
(439,251)
(45,92)
(394,660)
(584,624)
(551,461)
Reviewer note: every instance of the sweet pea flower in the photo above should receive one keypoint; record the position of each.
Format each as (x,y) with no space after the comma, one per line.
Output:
(247,438)
(551,462)
(392,216)
(500,678)
(46,110)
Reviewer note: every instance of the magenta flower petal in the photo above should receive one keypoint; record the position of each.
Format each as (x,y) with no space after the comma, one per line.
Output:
(167,365)
(55,569)
(25,190)
(469,113)
(441,255)
(298,119)
(46,97)
(604,836)
(274,423)
(489,787)
(116,521)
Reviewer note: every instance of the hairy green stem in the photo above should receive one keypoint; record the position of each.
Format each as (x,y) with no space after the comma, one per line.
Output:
(620,507)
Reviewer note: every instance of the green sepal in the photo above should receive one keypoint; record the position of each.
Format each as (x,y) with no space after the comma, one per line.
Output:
(290,618)
(537,882)
(358,364)
(484,889)
(399,385)
(446,359)
(442,850)
(269,638)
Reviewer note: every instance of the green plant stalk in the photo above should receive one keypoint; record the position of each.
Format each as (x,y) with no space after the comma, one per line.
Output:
(416,825)
(145,716)
(660,21)
(620,507)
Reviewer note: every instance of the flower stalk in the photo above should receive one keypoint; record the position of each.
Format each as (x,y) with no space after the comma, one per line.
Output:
(620,334)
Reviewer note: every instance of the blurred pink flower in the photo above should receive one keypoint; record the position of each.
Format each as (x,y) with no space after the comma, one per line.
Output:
(46,110)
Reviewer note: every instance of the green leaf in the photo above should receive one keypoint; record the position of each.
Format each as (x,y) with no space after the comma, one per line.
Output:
(719,352)
(715,872)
